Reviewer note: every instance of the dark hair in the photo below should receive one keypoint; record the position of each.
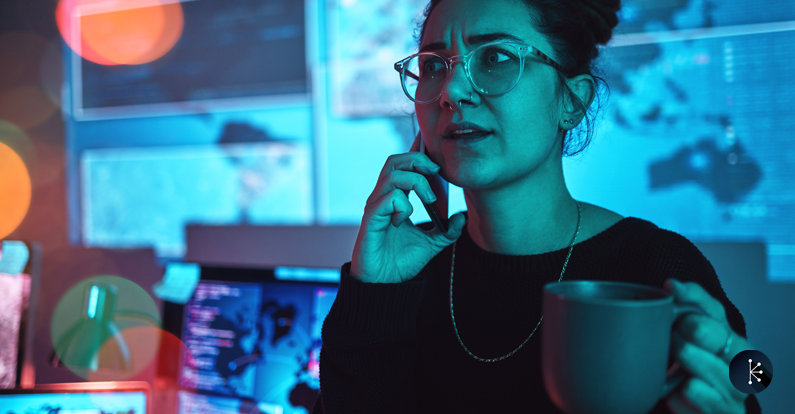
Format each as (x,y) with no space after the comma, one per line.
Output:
(574,28)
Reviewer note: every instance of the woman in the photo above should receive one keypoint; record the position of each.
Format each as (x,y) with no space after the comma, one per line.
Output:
(500,132)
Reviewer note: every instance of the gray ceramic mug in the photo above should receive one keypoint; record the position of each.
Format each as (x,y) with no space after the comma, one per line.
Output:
(605,346)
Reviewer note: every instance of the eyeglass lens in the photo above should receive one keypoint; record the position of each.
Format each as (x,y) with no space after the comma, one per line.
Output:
(493,69)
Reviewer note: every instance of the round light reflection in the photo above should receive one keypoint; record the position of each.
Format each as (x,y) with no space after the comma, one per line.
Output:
(113,33)
(75,339)
(15,190)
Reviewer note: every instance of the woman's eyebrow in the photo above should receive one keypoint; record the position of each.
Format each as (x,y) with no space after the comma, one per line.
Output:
(492,37)
(474,40)
(432,47)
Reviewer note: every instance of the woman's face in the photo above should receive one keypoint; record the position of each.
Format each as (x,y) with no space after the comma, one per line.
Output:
(521,126)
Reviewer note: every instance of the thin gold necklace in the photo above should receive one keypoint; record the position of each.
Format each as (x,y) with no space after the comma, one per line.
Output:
(452,315)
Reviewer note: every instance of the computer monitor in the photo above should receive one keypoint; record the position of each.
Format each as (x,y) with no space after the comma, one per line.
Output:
(252,341)
(127,397)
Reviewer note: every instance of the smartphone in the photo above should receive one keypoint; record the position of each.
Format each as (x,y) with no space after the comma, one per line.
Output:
(437,210)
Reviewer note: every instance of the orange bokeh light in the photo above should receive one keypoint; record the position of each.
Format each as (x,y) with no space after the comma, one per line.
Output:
(71,34)
(15,190)
(130,32)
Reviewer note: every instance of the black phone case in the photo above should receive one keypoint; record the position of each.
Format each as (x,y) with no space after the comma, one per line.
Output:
(438,210)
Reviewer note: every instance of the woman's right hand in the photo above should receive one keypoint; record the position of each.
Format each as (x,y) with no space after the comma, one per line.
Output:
(389,248)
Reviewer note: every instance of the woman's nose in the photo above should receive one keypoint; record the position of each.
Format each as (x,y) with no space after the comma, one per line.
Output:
(457,88)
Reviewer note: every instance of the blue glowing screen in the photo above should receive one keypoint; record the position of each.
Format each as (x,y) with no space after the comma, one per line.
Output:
(74,402)
(252,345)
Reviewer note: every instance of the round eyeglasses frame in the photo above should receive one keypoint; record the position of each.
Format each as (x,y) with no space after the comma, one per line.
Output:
(524,50)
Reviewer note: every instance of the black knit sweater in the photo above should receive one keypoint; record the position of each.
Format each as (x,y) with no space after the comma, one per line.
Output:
(391,348)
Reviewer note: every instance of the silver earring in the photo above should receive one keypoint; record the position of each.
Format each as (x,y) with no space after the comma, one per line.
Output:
(568,121)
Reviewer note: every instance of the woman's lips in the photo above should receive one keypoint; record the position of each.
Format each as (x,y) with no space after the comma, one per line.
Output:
(464,130)
(468,134)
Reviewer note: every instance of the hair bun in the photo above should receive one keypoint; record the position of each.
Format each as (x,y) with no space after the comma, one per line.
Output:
(602,17)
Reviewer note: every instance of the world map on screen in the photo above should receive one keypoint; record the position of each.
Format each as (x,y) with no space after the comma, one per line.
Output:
(691,137)
(256,343)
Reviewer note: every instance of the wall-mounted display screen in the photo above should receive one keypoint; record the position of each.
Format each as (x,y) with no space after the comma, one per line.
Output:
(229,53)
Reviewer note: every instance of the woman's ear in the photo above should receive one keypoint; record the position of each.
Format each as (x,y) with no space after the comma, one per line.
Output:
(582,89)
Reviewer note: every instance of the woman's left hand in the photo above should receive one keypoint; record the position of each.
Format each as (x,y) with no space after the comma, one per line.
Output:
(698,344)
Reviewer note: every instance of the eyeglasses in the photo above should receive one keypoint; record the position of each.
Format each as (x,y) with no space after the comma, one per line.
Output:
(492,69)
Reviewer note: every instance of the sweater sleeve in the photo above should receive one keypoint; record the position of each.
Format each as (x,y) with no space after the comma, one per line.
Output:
(370,347)
(674,256)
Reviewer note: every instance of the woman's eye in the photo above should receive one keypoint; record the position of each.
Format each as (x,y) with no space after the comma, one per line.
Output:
(433,66)
(496,57)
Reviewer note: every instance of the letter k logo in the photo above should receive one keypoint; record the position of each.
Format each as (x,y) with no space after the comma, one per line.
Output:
(751,371)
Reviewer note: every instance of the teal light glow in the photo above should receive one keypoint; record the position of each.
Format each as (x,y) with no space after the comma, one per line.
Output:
(92,302)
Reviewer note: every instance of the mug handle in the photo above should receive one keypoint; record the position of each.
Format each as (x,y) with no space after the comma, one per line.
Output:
(674,379)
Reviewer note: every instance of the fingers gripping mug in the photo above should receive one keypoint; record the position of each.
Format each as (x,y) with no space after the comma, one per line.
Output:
(605,346)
